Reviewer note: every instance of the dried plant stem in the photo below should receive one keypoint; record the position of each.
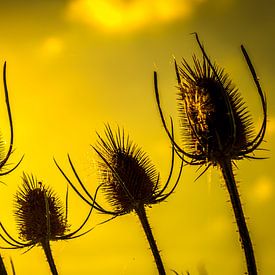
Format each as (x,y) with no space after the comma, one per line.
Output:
(140,210)
(12,267)
(2,267)
(48,252)
(226,167)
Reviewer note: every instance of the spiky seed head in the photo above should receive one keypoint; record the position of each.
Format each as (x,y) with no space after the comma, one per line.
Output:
(128,176)
(215,122)
(38,211)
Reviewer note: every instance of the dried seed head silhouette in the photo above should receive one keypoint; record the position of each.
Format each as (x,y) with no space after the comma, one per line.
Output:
(215,122)
(216,127)
(39,213)
(4,157)
(40,218)
(214,118)
(126,175)
(129,180)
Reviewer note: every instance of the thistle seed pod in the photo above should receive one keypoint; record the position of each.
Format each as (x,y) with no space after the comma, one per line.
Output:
(40,219)
(129,181)
(215,123)
(129,178)
(216,128)
(38,212)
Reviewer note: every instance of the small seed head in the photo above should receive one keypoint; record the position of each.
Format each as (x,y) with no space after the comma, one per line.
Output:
(38,212)
(128,176)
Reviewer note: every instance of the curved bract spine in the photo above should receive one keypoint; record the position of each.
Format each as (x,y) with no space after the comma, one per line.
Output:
(4,159)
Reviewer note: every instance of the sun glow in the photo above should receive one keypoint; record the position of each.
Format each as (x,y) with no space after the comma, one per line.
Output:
(119,15)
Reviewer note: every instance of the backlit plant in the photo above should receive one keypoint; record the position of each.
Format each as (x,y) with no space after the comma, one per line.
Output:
(216,127)
(129,181)
(216,130)
(40,219)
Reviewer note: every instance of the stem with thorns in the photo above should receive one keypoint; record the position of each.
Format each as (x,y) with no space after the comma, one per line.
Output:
(227,171)
(48,252)
(3,270)
(140,210)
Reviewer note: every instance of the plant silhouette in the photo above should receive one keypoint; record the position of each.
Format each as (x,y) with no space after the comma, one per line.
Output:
(129,180)
(40,219)
(216,128)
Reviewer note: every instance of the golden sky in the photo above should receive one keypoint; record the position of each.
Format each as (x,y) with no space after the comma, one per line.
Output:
(74,65)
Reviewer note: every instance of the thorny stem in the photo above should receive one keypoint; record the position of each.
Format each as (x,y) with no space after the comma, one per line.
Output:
(140,210)
(226,167)
(47,249)
(3,270)
(12,267)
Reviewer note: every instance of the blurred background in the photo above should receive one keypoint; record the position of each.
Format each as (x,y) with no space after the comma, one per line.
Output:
(74,65)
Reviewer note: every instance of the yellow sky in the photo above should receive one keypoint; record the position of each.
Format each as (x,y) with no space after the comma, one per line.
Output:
(74,65)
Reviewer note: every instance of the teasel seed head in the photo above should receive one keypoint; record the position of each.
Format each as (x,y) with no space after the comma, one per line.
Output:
(127,176)
(126,173)
(215,122)
(38,212)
